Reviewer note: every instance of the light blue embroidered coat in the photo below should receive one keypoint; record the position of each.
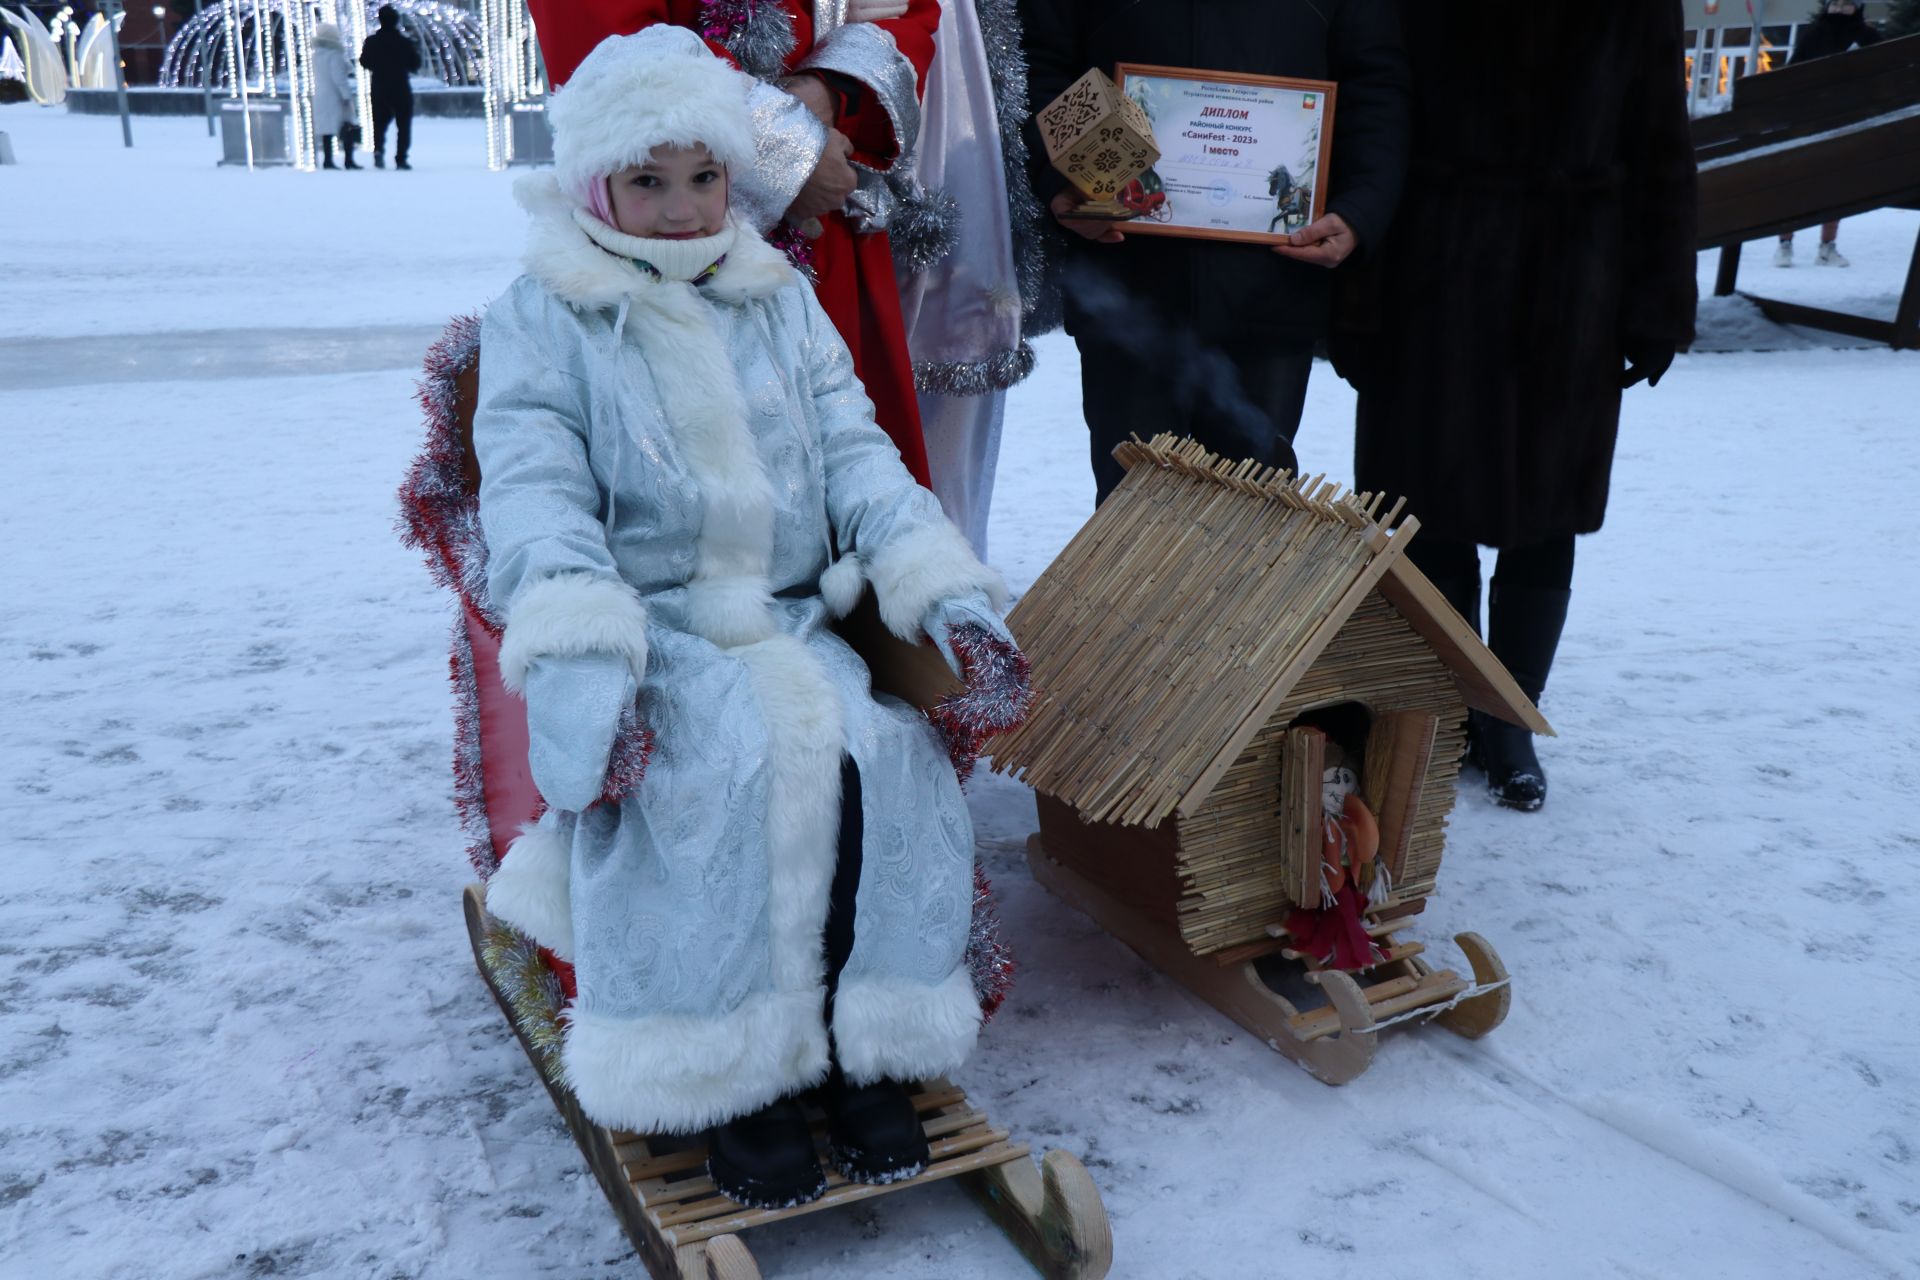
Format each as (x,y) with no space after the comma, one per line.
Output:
(666,472)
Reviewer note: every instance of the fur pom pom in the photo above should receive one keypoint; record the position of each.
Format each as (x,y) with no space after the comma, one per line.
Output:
(842,585)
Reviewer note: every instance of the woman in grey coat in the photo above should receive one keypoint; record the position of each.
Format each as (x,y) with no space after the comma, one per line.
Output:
(682,484)
(333,99)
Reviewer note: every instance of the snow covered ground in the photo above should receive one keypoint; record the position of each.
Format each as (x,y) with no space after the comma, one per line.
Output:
(240,1032)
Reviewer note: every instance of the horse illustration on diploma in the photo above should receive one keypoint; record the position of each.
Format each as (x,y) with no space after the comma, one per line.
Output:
(1289,200)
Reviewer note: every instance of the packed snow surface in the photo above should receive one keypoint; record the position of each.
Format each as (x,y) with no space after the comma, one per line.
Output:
(240,1030)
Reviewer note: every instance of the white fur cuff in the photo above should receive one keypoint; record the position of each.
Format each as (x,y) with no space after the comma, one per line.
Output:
(918,570)
(675,1073)
(530,891)
(893,1029)
(571,614)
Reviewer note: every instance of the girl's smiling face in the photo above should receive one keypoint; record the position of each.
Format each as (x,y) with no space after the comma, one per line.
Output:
(678,194)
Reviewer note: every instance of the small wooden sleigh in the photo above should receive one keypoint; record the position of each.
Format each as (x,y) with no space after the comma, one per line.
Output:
(1196,650)
(1335,1039)
(658,1186)
(684,1230)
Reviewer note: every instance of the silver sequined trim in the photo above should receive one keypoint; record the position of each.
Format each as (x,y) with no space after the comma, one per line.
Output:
(789,140)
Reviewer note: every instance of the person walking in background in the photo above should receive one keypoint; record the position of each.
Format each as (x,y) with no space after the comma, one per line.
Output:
(333,100)
(391,58)
(1840,26)
(1542,261)
(1208,338)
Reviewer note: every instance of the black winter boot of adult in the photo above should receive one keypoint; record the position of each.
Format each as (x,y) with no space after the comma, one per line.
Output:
(326,149)
(873,1131)
(1523,630)
(766,1160)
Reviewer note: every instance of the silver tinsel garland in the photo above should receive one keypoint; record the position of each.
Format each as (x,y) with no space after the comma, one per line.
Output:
(974,377)
(924,225)
(1007,66)
(758,33)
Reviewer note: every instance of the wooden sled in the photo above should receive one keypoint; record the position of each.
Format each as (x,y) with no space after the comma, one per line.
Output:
(1335,1041)
(683,1230)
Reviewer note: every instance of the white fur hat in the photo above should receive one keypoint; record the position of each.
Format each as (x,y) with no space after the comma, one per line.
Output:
(633,93)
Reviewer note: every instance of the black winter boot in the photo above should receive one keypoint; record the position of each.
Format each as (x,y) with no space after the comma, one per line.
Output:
(326,147)
(766,1160)
(873,1131)
(1523,630)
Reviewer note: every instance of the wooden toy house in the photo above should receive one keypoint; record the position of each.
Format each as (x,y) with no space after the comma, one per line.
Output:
(1197,649)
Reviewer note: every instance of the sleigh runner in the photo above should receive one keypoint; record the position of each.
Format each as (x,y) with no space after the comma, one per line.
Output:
(1205,648)
(657,1185)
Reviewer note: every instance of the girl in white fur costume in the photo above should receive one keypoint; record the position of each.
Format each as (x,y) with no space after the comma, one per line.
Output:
(682,485)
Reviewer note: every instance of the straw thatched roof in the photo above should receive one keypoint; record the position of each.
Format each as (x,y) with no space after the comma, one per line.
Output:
(1171,627)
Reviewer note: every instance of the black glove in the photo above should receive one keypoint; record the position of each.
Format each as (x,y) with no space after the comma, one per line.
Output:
(1647,358)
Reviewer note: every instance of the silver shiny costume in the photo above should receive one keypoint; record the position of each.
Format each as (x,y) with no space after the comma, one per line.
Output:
(669,470)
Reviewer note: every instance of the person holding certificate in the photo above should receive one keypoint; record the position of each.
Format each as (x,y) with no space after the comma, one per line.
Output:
(1209,335)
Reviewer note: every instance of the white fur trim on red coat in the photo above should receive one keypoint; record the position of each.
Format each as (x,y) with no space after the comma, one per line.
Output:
(571,614)
(893,1029)
(919,569)
(531,889)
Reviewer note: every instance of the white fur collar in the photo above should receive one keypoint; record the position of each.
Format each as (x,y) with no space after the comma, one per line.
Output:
(566,261)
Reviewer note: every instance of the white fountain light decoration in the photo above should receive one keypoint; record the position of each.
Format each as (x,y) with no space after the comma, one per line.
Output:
(510,72)
(47,77)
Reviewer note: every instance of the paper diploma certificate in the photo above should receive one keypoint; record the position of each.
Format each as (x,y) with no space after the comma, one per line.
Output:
(1241,157)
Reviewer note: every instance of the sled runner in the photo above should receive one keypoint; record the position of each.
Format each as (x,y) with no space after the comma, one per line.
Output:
(658,1185)
(1219,645)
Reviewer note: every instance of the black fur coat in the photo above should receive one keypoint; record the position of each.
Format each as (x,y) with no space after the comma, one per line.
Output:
(1547,226)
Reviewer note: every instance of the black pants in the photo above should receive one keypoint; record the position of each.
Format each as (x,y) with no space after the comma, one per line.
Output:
(846,882)
(400,111)
(1239,400)
(1547,564)
(346,145)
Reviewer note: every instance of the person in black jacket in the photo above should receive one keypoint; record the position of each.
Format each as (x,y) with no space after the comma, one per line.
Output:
(1838,27)
(1209,338)
(1542,262)
(390,58)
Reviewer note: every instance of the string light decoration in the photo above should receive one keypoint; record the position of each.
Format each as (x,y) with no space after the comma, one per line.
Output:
(448,37)
(511,73)
(265,48)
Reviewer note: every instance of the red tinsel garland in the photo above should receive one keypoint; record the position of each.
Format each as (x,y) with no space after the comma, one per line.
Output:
(996,700)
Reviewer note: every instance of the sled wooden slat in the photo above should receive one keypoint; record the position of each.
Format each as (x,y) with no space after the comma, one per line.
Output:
(715,1205)
(846,1193)
(682,1230)
(669,1192)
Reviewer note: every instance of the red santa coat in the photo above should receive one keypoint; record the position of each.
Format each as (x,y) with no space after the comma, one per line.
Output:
(887,62)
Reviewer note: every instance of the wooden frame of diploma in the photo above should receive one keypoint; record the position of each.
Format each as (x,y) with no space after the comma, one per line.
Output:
(1242,157)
